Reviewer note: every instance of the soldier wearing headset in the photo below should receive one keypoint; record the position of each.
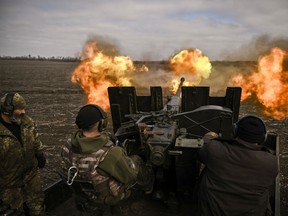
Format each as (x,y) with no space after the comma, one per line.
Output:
(21,156)
(100,172)
(239,174)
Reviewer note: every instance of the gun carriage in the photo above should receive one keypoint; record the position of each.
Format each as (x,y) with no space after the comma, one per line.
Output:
(168,135)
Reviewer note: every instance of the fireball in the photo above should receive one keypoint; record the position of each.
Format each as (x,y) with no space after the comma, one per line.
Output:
(98,71)
(268,83)
(191,64)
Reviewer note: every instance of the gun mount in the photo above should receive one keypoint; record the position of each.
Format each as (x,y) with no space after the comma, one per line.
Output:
(168,139)
(168,136)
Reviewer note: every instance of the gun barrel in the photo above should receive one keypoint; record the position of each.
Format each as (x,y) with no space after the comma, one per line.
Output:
(180,86)
(174,100)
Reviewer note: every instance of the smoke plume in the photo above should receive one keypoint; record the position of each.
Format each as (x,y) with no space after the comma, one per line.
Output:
(257,47)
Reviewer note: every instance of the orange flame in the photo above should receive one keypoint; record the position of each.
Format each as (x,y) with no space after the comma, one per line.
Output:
(175,85)
(191,64)
(98,72)
(268,84)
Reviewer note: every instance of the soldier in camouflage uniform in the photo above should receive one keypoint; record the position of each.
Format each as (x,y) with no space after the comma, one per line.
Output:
(21,154)
(91,157)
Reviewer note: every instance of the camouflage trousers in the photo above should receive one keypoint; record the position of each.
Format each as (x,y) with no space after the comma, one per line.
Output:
(31,193)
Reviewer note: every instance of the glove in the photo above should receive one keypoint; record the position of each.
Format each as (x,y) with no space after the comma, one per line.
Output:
(212,134)
(41,160)
(115,140)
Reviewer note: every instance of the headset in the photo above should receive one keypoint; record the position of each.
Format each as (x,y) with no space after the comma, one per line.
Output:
(8,108)
(235,127)
(103,120)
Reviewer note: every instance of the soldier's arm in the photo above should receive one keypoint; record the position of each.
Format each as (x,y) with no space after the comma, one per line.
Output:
(120,166)
(203,152)
(38,147)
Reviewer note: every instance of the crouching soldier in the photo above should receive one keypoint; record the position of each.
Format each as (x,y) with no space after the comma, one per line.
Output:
(100,172)
(239,174)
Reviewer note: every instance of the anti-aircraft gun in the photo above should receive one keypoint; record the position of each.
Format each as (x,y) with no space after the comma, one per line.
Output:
(168,136)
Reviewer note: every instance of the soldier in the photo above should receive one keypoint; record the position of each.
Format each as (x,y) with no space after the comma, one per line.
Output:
(239,174)
(21,154)
(100,172)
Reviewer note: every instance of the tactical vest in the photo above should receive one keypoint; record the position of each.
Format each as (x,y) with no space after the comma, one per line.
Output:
(105,189)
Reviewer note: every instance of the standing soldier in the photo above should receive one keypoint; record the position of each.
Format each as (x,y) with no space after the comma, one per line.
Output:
(21,153)
(91,158)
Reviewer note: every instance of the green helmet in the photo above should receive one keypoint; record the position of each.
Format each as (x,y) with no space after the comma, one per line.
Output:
(11,102)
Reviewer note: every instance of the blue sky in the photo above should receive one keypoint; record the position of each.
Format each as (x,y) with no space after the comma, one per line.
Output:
(142,30)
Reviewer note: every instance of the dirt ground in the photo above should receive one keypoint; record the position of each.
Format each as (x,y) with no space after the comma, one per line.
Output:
(53,101)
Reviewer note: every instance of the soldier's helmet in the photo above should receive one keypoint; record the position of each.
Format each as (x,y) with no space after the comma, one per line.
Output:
(90,114)
(10,102)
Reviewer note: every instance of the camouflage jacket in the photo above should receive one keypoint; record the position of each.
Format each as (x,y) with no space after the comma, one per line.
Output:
(17,160)
(97,160)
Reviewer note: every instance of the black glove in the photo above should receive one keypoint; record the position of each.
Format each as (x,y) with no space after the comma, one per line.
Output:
(114,139)
(41,160)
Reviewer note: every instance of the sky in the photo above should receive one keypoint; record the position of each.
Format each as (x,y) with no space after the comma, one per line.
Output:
(143,29)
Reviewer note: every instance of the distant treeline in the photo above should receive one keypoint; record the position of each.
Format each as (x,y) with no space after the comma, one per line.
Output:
(40,58)
(150,63)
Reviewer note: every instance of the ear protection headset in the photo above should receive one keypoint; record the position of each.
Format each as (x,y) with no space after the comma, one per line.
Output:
(8,108)
(235,127)
(103,120)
